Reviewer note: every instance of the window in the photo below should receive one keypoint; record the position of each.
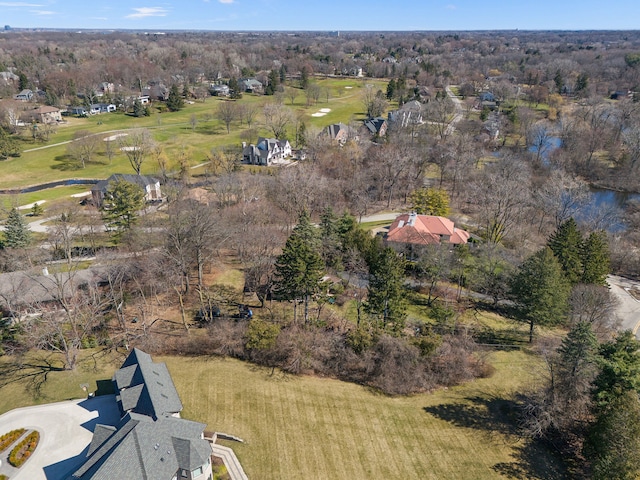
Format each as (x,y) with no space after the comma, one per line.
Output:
(196,473)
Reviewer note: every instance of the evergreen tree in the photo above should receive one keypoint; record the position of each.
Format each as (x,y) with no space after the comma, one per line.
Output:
(272,86)
(283,73)
(175,101)
(619,369)
(138,108)
(299,269)
(595,259)
(8,145)
(304,77)
(391,89)
(121,203)
(16,231)
(386,293)
(234,88)
(330,237)
(541,290)
(576,370)
(613,444)
(23,81)
(567,245)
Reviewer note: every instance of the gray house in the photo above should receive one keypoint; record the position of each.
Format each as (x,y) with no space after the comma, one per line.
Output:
(151,441)
(150,185)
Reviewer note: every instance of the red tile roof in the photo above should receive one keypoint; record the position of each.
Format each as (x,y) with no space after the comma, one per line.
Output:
(425,230)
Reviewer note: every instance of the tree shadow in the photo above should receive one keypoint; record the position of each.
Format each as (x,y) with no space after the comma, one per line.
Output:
(65,163)
(33,374)
(532,459)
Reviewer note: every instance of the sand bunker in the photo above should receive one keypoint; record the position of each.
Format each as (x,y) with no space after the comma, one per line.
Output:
(325,110)
(348,87)
(25,207)
(318,114)
(115,137)
(82,194)
(129,149)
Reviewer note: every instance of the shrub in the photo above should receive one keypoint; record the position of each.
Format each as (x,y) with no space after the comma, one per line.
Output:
(8,438)
(23,450)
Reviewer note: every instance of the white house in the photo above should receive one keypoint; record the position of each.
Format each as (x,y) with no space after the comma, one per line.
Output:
(266,151)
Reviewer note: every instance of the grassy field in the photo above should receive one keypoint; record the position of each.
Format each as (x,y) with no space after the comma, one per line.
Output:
(317,428)
(174,131)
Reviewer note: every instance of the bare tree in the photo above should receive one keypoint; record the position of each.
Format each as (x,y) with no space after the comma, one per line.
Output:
(374,102)
(228,112)
(136,145)
(224,159)
(249,113)
(277,118)
(500,193)
(83,146)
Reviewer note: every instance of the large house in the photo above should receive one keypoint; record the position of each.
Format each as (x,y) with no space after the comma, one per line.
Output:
(411,229)
(339,132)
(376,126)
(266,151)
(151,441)
(25,95)
(409,114)
(150,185)
(46,114)
(250,85)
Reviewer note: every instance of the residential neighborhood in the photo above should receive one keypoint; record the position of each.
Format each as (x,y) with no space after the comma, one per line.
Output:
(309,253)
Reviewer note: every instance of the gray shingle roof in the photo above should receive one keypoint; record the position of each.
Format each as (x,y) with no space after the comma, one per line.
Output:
(146,387)
(149,443)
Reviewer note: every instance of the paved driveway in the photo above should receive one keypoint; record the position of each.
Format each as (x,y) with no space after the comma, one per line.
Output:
(66,429)
(629,308)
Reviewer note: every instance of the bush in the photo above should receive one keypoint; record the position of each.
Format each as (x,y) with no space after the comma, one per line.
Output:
(8,438)
(23,450)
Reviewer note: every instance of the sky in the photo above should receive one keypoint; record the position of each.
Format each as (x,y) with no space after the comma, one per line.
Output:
(323,15)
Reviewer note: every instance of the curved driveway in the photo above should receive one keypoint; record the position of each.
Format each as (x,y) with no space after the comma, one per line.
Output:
(66,429)
(628,308)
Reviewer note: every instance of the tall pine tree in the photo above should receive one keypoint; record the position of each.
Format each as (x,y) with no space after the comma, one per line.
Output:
(174,101)
(566,244)
(595,259)
(386,292)
(299,269)
(16,231)
(541,290)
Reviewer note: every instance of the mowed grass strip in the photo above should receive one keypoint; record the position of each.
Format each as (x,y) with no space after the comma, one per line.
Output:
(317,428)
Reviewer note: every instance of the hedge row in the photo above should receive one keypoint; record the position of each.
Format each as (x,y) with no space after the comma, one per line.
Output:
(8,438)
(24,449)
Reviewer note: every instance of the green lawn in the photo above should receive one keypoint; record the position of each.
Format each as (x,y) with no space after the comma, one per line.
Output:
(174,131)
(318,428)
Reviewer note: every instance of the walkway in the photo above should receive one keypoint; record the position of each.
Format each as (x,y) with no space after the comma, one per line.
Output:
(231,462)
(628,309)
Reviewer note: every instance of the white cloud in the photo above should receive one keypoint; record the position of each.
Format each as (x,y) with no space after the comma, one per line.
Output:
(43,12)
(226,1)
(142,12)
(19,4)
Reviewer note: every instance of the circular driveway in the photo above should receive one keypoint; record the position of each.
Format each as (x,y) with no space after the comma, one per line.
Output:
(66,429)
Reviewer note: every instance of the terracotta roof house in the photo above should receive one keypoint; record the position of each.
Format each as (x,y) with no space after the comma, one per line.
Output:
(266,151)
(151,441)
(150,185)
(413,229)
(46,114)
